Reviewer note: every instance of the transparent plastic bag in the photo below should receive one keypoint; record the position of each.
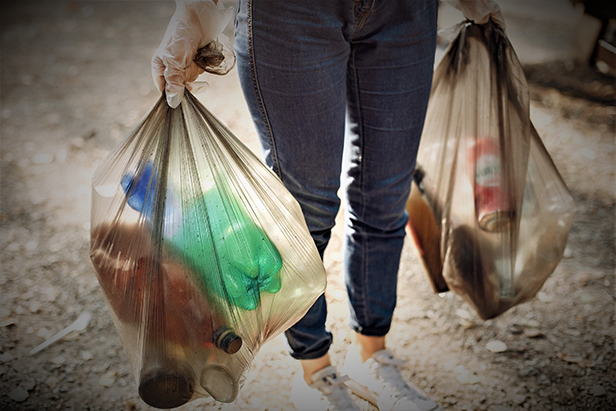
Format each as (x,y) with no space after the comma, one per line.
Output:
(501,210)
(201,253)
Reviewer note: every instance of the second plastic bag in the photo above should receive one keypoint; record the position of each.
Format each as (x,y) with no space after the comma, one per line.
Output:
(201,253)
(488,211)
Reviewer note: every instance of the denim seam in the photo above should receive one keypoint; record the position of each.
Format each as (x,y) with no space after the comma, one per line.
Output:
(257,90)
(361,180)
(361,17)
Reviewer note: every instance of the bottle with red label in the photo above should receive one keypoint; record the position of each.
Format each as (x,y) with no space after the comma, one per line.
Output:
(492,206)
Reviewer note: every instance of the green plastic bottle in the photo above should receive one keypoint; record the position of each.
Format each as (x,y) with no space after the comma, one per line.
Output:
(233,257)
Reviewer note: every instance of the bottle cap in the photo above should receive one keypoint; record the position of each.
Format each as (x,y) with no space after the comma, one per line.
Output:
(496,221)
(166,387)
(227,340)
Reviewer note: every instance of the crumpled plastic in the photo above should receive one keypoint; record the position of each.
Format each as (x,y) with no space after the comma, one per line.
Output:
(201,253)
(480,11)
(486,191)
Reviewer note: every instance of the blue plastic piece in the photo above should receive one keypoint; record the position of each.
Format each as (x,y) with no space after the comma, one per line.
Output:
(136,191)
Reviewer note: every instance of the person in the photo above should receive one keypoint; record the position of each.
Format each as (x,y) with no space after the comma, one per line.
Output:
(338,92)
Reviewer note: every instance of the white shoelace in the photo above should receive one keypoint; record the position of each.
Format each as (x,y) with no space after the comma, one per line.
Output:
(333,389)
(332,383)
(385,368)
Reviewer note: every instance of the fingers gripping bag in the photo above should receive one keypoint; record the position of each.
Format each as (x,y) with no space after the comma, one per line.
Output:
(486,190)
(201,253)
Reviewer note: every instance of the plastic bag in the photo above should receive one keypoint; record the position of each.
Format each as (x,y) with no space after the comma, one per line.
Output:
(201,253)
(486,189)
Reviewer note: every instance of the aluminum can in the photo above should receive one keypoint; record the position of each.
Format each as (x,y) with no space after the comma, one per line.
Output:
(491,199)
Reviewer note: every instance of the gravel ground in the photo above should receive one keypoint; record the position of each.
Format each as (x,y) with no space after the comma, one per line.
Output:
(75,78)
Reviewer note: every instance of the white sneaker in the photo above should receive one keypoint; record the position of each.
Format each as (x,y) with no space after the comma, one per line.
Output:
(328,392)
(380,375)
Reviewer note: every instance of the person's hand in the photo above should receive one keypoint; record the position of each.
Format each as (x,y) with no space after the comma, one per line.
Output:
(194,24)
(480,11)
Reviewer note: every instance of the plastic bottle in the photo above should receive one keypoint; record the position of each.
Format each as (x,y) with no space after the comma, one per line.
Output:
(174,316)
(233,256)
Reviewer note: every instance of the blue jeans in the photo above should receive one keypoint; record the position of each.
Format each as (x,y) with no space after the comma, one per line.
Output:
(338,91)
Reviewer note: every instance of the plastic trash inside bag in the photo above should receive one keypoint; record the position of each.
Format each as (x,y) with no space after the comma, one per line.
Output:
(485,188)
(201,253)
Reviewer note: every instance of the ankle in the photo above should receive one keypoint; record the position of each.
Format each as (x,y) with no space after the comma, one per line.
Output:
(309,367)
(367,345)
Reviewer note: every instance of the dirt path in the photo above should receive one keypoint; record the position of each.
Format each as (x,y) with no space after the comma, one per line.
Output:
(75,78)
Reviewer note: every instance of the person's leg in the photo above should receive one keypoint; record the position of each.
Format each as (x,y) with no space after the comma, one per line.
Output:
(292,61)
(389,80)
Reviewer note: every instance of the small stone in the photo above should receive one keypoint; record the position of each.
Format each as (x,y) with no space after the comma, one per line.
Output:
(6,357)
(7,322)
(496,346)
(58,360)
(44,333)
(23,163)
(519,399)
(108,379)
(3,370)
(51,381)
(525,372)
(53,118)
(61,155)
(588,153)
(35,306)
(466,324)
(544,298)
(516,329)
(532,332)
(32,245)
(12,247)
(42,158)
(20,310)
(28,384)
(531,323)
(18,394)
(86,355)
(78,142)
(587,298)
(575,359)
(463,314)
(567,253)
(598,391)
(56,246)
(581,279)
(467,377)
(51,293)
